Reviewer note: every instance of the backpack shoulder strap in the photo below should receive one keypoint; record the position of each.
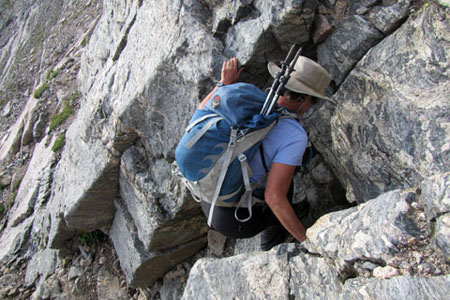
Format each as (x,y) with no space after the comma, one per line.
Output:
(286,114)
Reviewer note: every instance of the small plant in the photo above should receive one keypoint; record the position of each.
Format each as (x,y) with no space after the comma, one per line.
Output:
(59,143)
(17,183)
(84,42)
(52,73)
(58,119)
(40,90)
(2,208)
(92,238)
(75,95)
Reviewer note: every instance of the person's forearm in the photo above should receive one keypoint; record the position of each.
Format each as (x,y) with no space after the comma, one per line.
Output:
(202,104)
(286,215)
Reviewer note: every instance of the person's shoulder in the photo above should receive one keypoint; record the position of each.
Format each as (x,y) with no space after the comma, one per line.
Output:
(290,125)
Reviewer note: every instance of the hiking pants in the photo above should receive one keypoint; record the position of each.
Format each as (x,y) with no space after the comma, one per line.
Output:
(224,221)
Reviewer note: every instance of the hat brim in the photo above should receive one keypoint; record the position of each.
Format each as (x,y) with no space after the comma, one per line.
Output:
(296,85)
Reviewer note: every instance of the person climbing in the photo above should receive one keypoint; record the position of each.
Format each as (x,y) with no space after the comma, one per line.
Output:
(274,165)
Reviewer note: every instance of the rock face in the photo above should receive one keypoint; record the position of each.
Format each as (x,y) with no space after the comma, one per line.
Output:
(349,254)
(147,105)
(390,129)
(143,66)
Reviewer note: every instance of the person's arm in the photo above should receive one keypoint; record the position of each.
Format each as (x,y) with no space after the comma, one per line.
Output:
(277,187)
(230,74)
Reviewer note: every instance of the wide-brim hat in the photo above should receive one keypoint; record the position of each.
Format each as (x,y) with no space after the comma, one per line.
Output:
(307,78)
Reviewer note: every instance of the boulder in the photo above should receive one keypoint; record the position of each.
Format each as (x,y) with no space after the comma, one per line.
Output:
(269,27)
(403,287)
(389,129)
(285,272)
(354,253)
(373,231)
(34,189)
(142,267)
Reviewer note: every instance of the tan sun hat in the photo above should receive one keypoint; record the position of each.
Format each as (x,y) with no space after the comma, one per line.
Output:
(308,78)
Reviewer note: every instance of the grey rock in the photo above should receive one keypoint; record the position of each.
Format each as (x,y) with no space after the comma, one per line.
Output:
(283,272)
(380,137)
(103,131)
(247,245)
(174,283)
(39,126)
(401,287)
(40,267)
(50,288)
(274,25)
(435,195)
(163,212)
(10,142)
(13,239)
(387,18)
(35,186)
(108,286)
(142,74)
(441,237)
(216,243)
(372,231)
(386,272)
(338,54)
(74,273)
(228,13)
(142,267)
(6,110)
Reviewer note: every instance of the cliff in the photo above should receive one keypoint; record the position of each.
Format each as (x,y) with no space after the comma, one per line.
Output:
(95,97)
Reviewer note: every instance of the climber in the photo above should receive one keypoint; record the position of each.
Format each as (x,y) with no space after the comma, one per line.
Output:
(281,152)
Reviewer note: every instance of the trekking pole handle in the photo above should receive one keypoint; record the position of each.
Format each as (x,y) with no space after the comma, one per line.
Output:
(283,80)
(268,104)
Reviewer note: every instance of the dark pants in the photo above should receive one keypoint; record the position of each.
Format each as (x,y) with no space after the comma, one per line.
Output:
(224,221)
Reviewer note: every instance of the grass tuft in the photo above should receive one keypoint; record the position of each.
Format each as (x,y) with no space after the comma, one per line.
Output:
(40,90)
(59,143)
(59,118)
(92,238)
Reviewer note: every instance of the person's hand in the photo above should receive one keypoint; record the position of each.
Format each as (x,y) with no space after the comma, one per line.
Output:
(230,72)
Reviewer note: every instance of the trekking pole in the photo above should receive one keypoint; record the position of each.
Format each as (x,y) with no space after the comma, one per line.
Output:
(283,80)
(276,81)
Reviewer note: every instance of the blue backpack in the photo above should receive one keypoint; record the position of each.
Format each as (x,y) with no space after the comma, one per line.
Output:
(221,138)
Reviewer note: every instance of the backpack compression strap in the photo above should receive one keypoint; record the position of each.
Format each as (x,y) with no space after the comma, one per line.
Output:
(225,163)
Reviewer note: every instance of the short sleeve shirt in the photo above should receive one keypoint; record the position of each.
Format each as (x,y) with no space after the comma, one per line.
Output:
(285,144)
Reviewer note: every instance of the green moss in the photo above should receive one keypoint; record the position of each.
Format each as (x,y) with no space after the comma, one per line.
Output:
(16,184)
(52,73)
(58,119)
(84,42)
(40,90)
(92,238)
(59,143)
(2,208)
(75,95)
